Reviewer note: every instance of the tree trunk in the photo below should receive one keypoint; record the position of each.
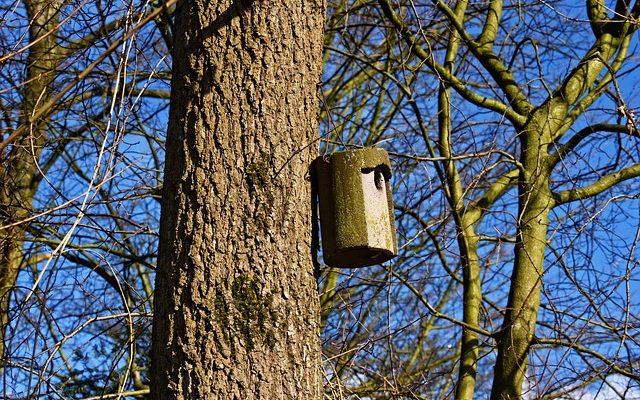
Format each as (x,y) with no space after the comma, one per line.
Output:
(236,303)
(19,172)
(534,205)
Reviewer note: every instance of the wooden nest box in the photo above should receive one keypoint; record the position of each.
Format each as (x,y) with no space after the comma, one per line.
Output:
(356,208)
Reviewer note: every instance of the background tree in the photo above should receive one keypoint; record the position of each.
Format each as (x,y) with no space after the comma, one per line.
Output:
(20,174)
(518,161)
(83,88)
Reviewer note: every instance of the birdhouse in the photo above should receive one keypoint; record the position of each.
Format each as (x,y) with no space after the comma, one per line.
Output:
(356,208)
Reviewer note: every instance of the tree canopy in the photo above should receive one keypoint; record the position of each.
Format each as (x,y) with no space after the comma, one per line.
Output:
(515,154)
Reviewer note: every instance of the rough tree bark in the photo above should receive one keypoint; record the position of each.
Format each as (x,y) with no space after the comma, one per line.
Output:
(236,304)
(19,175)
